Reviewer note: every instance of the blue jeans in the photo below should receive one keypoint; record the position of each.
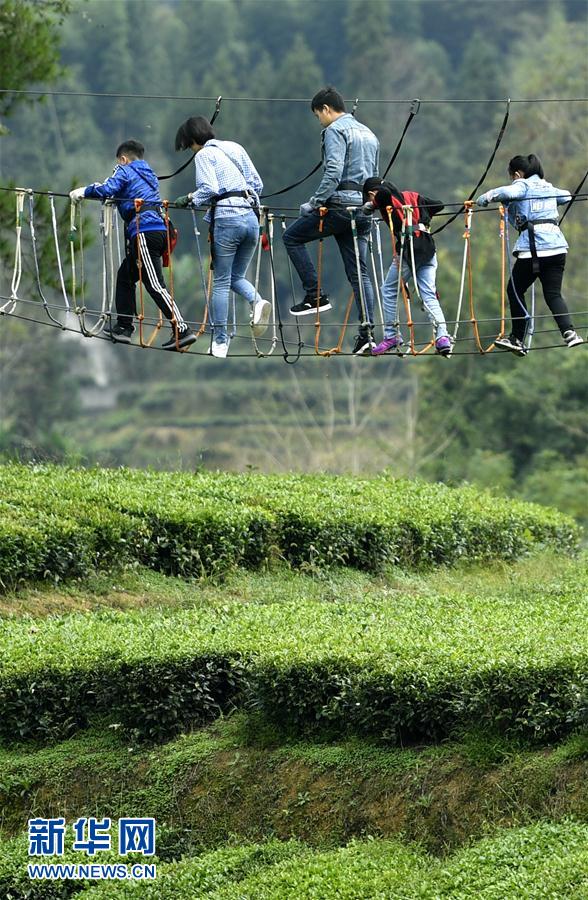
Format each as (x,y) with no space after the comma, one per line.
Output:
(235,240)
(425,275)
(337,222)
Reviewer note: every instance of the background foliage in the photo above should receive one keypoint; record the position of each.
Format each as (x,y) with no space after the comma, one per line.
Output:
(508,425)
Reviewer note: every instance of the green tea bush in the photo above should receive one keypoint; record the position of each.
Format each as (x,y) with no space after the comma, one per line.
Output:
(543,861)
(151,699)
(204,875)
(15,883)
(400,667)
(59,523)
(411,704)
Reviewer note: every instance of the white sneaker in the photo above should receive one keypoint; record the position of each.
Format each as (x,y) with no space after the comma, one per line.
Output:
(261,313)
(572,339)
(219,350)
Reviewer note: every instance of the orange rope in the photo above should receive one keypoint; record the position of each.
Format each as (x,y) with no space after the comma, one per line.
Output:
(339,346)
(502,272)
(202,328)
(404,290)
(468,204)
(502,280)
(322,213)
(141,316)
(207,298)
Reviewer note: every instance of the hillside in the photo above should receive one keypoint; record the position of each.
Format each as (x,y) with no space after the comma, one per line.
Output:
(312,696)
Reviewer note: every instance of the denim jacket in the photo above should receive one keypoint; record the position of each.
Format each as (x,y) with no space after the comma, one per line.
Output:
(351,152)
(529,199)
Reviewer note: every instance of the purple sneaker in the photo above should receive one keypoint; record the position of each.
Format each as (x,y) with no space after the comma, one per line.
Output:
(443,345)
(388,344)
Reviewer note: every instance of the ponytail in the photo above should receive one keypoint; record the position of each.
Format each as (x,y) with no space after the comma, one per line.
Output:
(528,165)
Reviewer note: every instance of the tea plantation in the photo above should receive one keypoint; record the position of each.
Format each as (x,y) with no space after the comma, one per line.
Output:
(318,686)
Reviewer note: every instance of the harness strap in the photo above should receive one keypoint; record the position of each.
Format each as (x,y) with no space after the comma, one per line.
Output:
(350,186)
(530,227)
(295,184)
(188,161)
(414,108)
(213,204)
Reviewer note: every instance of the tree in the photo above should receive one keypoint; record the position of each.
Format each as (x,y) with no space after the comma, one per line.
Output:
(29,49)
(34,391)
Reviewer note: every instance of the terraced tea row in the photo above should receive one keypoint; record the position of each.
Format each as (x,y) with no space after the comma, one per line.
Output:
(540,861)
(58,523)
(395,665)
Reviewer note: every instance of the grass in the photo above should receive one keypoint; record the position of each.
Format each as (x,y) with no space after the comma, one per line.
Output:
(243,779)
(139,587)
(401,705)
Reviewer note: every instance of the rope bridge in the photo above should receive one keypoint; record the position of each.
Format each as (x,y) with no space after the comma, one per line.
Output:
(72,314)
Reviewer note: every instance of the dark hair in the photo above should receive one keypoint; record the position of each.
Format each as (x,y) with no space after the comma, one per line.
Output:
(131,148)
(196,130)
(372,184)
(528,165)
(376,184)
(328,97)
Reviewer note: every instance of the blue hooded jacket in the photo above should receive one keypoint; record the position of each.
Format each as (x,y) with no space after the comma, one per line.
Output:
(135,181)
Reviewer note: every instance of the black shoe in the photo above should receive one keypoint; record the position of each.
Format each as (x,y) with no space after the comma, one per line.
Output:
(122,334)
(310,306)
(184,340)
(364,343)
(513,344)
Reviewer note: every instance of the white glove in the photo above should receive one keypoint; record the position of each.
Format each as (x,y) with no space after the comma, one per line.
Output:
(77,194)
(368,208)
(484,199)
(306,209)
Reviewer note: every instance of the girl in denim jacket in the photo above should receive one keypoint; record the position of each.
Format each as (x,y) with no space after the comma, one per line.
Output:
(540,250)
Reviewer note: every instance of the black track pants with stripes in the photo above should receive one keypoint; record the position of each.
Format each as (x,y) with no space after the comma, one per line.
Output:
(152,243)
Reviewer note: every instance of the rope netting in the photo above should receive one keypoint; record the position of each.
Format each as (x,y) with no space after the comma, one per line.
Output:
(70,312)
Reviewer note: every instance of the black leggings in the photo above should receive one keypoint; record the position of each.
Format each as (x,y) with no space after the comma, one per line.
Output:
(551,270)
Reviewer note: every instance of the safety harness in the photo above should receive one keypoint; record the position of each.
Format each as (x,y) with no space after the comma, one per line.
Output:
(172,231)
(246,194)
(529,226)
(417,228)
(350,186)
(213,204)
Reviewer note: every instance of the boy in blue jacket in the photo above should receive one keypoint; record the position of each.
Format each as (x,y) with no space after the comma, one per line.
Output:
(134,179)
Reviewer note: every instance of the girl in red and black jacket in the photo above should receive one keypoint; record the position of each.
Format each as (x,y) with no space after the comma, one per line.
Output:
(378,194)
